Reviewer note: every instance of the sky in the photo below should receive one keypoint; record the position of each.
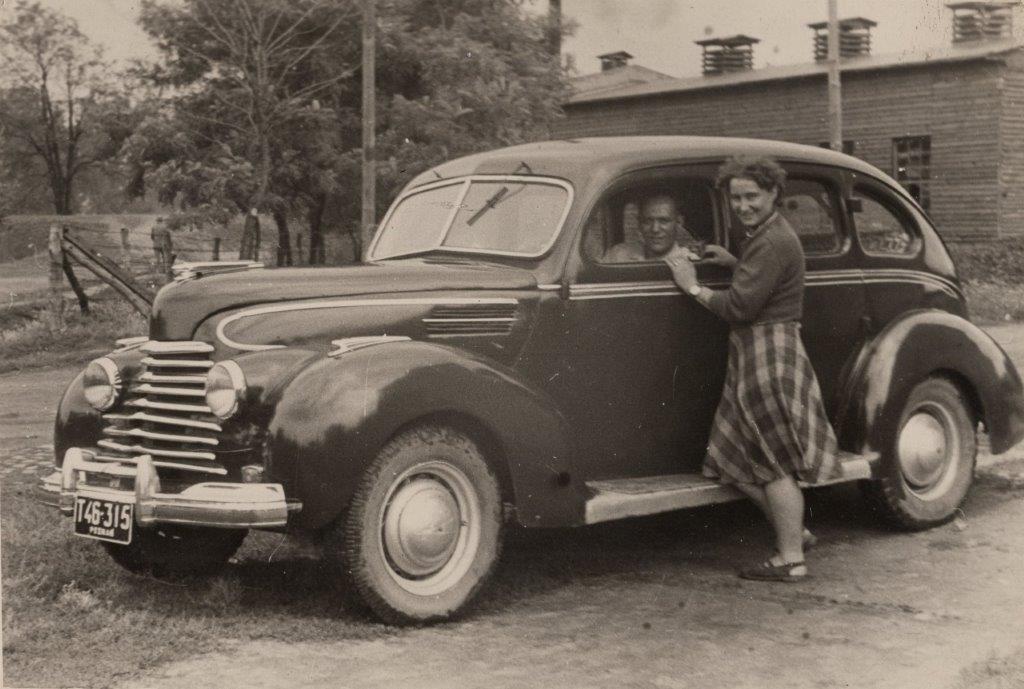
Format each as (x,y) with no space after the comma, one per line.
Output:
(659,33)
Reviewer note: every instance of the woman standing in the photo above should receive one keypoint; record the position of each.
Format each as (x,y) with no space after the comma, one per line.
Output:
(770,429)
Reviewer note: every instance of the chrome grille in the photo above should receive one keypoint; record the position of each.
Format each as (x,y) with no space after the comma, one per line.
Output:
(471,319)
(165,415)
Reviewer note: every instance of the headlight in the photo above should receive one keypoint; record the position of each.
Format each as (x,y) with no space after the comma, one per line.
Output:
(102,383)
(225,387)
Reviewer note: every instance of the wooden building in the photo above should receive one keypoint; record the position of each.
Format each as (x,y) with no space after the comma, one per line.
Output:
(947,123)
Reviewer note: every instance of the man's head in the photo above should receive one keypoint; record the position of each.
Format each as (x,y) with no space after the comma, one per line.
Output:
(660,221)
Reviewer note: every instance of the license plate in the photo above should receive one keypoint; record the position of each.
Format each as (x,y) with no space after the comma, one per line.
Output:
(106,520)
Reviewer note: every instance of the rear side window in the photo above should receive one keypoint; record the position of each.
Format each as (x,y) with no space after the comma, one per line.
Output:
(810,207)
(880,230)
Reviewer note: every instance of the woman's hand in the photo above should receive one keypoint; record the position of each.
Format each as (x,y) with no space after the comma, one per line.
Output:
(718,256)
(681,262)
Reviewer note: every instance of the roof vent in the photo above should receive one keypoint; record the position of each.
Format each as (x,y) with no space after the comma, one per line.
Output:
(614,60)
(976,21)
(854,38)
(730,54)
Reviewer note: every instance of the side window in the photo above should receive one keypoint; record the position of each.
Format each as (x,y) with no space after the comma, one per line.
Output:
(882,232)
(811,207)
(679,212)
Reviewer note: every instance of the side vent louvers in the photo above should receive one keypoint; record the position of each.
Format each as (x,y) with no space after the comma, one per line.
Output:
(471,319)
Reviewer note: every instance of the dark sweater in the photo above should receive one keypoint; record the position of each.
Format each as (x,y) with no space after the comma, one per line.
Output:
(768,280)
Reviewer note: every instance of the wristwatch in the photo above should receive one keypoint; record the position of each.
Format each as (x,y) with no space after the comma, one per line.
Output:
(694,291)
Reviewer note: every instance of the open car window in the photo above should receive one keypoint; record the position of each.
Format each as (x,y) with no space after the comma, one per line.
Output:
(615,232)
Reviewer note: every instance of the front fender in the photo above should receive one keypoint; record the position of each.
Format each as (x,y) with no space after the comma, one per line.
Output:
(335,416)
(918,345)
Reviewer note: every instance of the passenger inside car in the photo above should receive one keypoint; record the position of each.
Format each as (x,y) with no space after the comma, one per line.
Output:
(644,224)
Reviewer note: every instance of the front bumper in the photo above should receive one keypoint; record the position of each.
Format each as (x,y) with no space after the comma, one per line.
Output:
(218,505)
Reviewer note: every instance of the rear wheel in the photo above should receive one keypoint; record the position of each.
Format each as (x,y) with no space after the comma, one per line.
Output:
(171,550)
(928,467)
(423,532)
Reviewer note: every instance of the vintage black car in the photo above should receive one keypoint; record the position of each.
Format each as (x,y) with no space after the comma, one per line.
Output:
(492,363)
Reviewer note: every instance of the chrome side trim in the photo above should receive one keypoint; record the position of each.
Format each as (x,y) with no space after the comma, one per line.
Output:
(825,278)
(351,344)
(335,304)
(468,320)
(191,270)
(219,505)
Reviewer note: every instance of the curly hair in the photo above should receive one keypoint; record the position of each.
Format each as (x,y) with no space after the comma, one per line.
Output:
(764,172)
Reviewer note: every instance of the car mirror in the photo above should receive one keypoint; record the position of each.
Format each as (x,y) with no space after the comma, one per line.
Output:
(855,205)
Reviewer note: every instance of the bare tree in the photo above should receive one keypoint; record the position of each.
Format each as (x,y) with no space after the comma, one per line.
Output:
(55,103)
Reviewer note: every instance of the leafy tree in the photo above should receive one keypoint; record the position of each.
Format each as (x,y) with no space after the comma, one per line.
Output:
(267,105)
(57,106)
(245,74)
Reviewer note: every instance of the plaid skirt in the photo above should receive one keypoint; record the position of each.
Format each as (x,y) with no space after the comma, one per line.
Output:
(771,420)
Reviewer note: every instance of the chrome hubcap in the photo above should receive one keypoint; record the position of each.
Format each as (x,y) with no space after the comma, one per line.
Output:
(430,528)
(927,450)
(421,528)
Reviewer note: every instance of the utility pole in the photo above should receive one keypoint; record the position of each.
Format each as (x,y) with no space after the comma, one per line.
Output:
(835,98)
(369,214)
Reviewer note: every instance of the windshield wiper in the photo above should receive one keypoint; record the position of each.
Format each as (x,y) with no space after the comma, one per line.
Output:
(495,199)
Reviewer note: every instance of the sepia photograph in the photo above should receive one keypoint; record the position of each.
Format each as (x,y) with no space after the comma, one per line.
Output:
(512,344)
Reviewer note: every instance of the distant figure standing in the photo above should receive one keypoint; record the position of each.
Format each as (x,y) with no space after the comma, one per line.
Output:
(250,249)
(161,236)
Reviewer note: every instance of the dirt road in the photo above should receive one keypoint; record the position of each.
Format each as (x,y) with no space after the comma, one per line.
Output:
(654,603)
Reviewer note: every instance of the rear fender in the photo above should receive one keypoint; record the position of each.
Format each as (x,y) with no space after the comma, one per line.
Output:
(334,417)
(914,347)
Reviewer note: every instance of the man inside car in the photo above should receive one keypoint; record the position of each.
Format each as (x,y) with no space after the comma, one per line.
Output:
(661,225)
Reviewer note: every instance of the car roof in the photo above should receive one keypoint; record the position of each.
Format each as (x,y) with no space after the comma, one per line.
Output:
(579,159)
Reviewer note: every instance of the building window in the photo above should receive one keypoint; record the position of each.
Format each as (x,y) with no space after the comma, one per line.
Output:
(849,146)
(912,166)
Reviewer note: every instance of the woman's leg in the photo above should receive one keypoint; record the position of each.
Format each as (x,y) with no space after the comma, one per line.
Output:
(786,507)
(758,497)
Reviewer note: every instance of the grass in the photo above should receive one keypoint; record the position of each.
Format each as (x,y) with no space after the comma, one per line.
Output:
(71,617)
(28,341)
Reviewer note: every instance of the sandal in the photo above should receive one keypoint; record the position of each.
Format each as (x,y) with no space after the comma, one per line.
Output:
(787,571)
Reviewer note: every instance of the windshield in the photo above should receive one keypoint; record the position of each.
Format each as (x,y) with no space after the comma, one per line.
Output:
(507,216)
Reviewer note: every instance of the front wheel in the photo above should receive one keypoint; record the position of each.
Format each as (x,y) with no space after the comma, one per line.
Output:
(172,550)
(928,466)
(423,532)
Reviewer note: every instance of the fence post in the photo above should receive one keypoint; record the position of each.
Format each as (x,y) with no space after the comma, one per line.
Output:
(216,248)
(169,256)
(126,252)
(56,304)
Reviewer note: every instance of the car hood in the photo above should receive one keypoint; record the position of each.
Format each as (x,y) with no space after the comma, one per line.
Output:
(180,307)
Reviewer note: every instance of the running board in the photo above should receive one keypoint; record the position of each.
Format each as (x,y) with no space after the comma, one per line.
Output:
(635,497)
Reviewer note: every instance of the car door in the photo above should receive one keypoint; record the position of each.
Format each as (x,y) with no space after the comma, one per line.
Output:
(834,323)
(643,365)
